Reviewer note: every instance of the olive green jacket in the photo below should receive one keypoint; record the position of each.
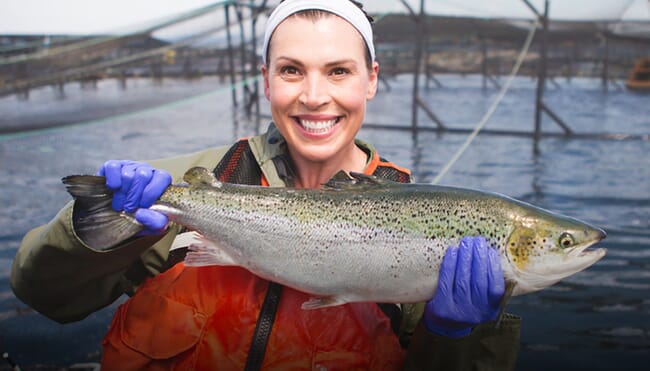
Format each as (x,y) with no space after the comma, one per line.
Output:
(64,279)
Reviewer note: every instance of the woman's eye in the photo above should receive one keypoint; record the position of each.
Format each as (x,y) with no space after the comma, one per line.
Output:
(339,71)
(288,70)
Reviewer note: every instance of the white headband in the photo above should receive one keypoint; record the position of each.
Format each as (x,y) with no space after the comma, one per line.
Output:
(343,8)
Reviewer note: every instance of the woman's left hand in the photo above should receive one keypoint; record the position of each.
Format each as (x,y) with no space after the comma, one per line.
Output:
(470,288)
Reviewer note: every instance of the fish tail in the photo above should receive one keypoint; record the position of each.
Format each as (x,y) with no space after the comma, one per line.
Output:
(94,220)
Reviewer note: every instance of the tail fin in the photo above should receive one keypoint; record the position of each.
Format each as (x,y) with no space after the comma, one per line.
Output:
(95,222)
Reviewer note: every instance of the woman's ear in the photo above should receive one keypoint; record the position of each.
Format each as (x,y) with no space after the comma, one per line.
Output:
(265,76)
(373,78)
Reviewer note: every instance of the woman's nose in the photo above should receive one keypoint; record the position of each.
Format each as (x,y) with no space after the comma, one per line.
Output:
(315,92)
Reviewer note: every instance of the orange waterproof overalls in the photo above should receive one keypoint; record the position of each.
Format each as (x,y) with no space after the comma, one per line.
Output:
(203,318)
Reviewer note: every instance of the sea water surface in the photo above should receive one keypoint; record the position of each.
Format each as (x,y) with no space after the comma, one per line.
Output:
(598,319)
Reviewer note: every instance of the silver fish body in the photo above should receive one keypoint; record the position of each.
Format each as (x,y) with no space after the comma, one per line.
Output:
(369,239)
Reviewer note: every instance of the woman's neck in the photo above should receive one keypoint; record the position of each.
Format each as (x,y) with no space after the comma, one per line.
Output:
(311,174)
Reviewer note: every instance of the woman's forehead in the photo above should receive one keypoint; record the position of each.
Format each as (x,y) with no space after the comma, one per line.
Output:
(323,32)
(315,17)
(348,10)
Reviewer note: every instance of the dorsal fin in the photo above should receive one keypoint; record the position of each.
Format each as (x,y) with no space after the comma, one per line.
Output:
(340,180)
(343,180)
(198,176)
(360,178)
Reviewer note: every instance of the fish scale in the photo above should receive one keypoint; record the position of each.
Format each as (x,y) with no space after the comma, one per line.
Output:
(357,239)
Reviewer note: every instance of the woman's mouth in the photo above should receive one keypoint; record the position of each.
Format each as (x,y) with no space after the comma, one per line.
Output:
(317,126)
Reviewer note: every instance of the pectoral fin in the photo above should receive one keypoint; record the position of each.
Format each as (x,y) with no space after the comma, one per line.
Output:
(201,251)
(323,302)
(510,287)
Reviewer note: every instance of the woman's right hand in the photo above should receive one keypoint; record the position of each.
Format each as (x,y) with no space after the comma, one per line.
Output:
(136,186)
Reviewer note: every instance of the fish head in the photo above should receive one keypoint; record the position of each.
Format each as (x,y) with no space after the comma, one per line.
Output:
(545,247)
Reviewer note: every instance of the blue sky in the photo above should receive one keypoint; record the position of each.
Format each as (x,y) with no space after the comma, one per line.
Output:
(95,16)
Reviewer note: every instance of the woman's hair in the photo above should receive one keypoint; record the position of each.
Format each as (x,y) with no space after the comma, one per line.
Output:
(316,14)
(360,6)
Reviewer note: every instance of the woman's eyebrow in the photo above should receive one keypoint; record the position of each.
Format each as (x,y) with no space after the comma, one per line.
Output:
(288,59)
(341,61)
(337,62)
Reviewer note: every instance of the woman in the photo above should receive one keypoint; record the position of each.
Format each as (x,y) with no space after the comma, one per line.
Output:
(319,71)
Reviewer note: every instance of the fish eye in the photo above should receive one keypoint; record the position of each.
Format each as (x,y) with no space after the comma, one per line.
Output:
(566,240)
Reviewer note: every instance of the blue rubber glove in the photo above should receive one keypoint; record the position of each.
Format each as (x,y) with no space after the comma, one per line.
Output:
(470,288)
(136,186)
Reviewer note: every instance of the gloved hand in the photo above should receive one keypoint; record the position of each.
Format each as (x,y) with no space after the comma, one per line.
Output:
(136,186)
(470,287)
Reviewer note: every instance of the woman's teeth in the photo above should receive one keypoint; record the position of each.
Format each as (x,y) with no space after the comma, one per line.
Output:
(317,127)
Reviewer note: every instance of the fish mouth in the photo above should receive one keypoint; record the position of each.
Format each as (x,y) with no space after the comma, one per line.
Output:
(582,251)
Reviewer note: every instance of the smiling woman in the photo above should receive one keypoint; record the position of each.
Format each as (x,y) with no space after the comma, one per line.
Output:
(318,84)
(319,75)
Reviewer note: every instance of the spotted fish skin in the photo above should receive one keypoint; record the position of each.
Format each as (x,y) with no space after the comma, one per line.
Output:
(366,239)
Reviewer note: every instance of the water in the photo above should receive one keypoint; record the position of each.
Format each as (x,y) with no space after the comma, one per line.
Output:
(598,319)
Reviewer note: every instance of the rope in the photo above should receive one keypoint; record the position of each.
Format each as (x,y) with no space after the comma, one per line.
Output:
(87,43)
(492,109)
(101,66)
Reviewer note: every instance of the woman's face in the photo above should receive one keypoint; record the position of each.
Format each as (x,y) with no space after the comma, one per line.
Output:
(318,84)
